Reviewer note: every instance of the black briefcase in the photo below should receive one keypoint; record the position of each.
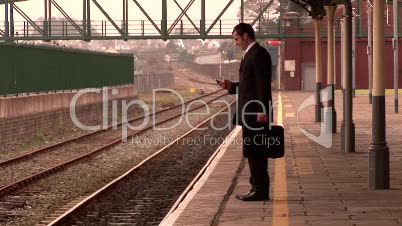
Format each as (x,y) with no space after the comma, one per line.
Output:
(273,140)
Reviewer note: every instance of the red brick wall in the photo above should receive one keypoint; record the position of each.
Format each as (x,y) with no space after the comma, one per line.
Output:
(303,51)
(292,52)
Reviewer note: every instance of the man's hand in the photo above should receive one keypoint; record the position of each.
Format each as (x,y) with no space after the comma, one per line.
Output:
(225,84)
(262,118)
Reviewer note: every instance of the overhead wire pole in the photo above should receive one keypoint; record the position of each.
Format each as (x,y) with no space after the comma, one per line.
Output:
(395,46)
(378,151)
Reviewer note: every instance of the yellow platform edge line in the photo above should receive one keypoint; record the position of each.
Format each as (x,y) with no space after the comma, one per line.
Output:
(280,210)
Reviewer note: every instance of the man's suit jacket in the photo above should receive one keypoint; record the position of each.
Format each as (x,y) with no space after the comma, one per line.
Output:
(254,86)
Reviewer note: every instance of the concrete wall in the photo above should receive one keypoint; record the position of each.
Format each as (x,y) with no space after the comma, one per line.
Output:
(31,115)
(22,105)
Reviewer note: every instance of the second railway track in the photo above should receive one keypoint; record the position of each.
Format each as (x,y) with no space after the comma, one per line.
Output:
(35,166)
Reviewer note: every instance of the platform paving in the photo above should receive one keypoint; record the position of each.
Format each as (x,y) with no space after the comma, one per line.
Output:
(311,185)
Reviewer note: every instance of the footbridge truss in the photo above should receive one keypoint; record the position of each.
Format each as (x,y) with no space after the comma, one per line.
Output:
(184,26)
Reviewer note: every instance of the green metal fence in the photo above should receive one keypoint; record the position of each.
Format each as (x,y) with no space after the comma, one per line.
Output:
(26,69)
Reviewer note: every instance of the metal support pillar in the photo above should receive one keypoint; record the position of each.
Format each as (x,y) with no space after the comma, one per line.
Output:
(125,20)
(202,25)
(334,56)
(49,17)
(242,11)
(123,25)
(12,18)
(318,71)
(88,18)
(349,125)
(126,27)
(395,45)
(343,60)
(164,20)
(378,151)
(45,23)
(6,22)
(354,56)
(370,51)
(331,113)
(84,18)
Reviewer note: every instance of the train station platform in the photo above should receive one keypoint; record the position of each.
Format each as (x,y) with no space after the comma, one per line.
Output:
(311,185)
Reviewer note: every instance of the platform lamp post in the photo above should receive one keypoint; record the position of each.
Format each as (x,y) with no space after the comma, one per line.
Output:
(318,71)
(378,151)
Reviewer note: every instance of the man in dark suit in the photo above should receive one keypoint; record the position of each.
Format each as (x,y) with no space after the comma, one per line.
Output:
(254,111)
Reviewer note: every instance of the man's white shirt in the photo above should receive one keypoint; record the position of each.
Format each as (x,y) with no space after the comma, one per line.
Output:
(248,48)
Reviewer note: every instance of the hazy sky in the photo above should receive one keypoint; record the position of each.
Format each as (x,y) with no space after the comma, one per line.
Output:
(35,9)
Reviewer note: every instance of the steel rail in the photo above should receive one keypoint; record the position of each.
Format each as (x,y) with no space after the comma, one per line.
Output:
(50,147)
(105,188)
(7,189)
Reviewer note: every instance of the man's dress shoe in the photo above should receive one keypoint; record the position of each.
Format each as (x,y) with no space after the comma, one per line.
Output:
(240,197)
(253,196)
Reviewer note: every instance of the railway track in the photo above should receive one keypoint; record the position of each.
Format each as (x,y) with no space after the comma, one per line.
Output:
(23,170)
(196,78)
(144,194)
